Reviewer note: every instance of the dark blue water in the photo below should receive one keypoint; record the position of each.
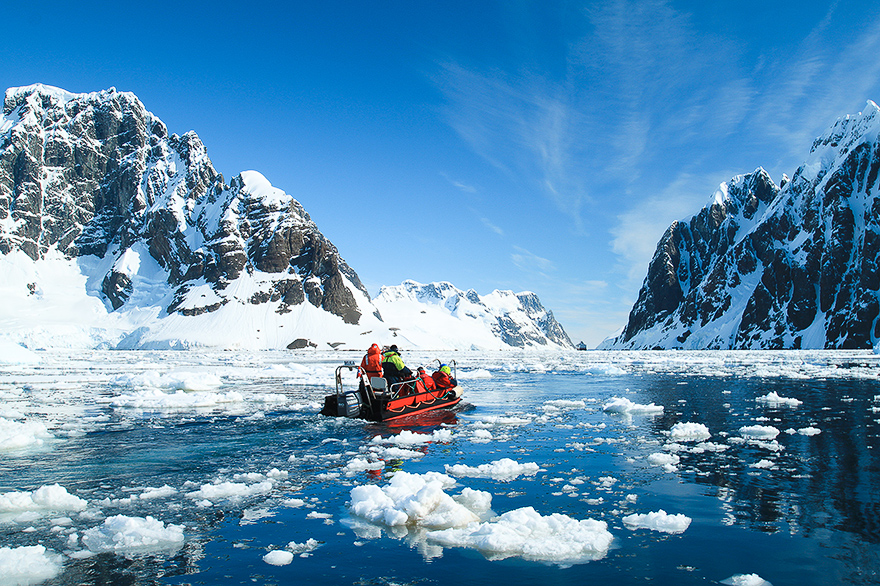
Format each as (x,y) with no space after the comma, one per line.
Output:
(811,518)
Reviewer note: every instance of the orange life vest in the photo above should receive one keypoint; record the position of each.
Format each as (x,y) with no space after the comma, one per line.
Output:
(372,362)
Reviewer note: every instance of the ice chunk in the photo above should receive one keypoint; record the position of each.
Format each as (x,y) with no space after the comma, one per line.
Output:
(808,431)
(746,580)
(46,498)
(759,432)
(624,406)
(504,469)
(689,432)
(667,461)
(230,490)
(28,565)
(409,438)
(526,533)
(278,557)
(774,400)
(658,521)
(16,435)
(418,499)
(122,534)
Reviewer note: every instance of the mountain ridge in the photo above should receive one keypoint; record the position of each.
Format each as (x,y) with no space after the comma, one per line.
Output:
(774,266)
(151,246)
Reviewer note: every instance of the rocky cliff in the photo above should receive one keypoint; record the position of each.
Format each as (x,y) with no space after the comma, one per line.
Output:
(767,266)
(98,175)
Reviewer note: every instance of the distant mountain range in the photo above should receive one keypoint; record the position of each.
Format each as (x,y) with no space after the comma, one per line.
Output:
(794,265)
(438,312)
(115,233)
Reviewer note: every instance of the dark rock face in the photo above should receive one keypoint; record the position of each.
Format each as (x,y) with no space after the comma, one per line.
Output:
(97,174)
(763,266)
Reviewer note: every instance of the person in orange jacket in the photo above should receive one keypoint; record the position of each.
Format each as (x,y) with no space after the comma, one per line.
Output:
(372,362)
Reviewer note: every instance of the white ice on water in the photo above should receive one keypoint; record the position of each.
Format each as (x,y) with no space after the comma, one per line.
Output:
(29,564)
(166,383)
(420,501)
(15,435)
(746,580)
(773,399)
(658,521)
(504,470)
(133,535)
(624,406)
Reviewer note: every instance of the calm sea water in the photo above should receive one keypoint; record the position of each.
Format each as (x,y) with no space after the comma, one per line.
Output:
(805,510)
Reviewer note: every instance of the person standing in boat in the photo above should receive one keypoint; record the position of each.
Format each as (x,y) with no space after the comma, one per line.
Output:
(372,362)
(393,366)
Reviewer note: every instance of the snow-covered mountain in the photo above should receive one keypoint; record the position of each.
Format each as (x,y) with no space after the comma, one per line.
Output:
(114,233)
(441,315)
(767,266)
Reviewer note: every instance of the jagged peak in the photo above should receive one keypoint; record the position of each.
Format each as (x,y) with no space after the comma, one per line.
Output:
(851,130)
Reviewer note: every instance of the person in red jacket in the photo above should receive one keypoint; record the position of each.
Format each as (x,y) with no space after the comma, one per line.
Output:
(442,380)
(426,379)
(372,362)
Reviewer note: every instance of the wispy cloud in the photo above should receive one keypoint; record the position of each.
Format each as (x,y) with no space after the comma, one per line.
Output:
(639,229)
(486,222)
(531,263)
(459,185)
(522,125)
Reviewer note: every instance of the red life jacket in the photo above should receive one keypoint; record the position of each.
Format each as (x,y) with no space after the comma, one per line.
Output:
(372,362)
(442,380)
(427,381)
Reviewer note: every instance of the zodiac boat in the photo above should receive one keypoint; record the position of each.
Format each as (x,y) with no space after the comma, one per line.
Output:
(374,400)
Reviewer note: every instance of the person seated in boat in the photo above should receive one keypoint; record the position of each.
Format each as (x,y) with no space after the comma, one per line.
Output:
(394,368)
(371,364)
(442,378)
(427,379)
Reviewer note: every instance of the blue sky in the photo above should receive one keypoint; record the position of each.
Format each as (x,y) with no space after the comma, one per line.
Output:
(540,146)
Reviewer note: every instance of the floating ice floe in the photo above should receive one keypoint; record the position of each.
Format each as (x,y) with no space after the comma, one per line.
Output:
(658,521)
(278,557)
(668,462)
(409,438)
(15,435)
(361,465)
(133,535)
(760,432)
(525,533)
(624,406)
(229,490)
(504,470)
(54,498)
(746,580)
(763,464)
(774,400)
(689,432)
(30,564)
(419,500)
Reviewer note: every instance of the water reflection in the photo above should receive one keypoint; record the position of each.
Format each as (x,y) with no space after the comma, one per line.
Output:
(828,481)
